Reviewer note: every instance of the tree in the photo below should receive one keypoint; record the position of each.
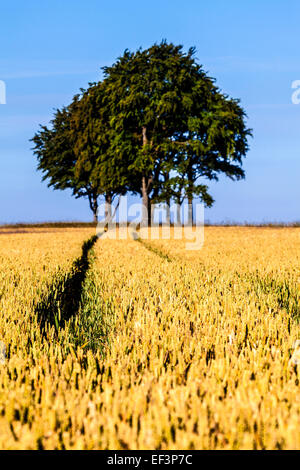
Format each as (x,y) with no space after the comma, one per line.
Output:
(169,116)
(57,160)
(97,162)
(75,152)
(156,126)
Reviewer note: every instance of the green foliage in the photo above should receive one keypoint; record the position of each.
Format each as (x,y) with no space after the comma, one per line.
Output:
(55,149)
(156,126)
(92,135)
(168,114)
(75,152)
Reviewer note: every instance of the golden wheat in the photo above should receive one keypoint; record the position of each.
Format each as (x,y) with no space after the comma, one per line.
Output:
(167,349)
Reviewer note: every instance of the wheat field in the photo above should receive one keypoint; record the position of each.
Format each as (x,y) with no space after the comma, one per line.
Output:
(124,344)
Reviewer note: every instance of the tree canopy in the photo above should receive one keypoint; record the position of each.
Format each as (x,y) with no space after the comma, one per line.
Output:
(157,125)
(75,153)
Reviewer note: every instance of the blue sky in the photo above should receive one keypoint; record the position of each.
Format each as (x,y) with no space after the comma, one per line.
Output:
(50,49)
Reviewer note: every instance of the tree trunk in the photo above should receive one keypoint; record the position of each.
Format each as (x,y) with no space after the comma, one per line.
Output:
(190,199)
(146,182)
(95,217)
(146,206)
(149,212)
(190,210)
(168,201)
(94,207)
(145,199)
(168,212)
(108,211)
(93,201)
(178,215)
